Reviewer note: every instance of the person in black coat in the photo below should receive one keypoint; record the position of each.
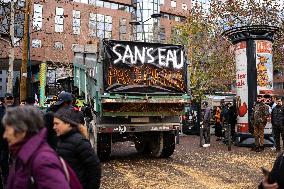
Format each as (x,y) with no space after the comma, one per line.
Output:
(65,100)
(4,149)
(277,117)
(76,149)
(276,177)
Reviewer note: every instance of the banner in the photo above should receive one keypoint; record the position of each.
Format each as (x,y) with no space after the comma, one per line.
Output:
(264,67)
(242,86)
(144,67)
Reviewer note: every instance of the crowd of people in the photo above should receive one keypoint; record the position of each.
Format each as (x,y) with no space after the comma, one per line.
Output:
(46,150)
(224,116)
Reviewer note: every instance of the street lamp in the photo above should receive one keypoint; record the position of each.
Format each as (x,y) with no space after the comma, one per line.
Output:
(137,23)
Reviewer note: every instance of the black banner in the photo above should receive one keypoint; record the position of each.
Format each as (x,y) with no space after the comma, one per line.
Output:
(138,67)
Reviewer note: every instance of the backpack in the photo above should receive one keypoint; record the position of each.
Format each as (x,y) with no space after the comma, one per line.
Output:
(70,175)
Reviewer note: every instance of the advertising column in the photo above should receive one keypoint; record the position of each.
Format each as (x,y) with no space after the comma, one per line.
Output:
(242,86)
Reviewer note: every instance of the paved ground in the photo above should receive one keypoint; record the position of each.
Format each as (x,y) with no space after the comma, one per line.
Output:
(190,167)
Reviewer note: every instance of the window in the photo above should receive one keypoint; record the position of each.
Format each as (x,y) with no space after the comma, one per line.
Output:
(0,87)
(58,46)
(162,34)
(59,16)
(107,5)
(0,71)
(99,3)
(114,6)
(76,22)
(184,6)
(0,79)
(122,29)
(100,25)
(173,3)
(19,26)
(37,18)
(36,43)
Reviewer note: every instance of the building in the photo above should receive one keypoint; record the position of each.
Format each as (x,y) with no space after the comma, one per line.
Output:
(56,26)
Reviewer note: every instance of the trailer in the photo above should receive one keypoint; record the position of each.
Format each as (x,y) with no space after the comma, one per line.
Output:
(137,91)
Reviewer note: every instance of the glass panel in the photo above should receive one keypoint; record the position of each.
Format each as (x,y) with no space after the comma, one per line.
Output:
(114,6)
(108,34)
(76,22)
(92,16)
(58,20)
(85,1)
(76,14)
(173,3)
(58,28)
(100,26)
(99,3)
(38,8)
(76,30)
(108,19)
(100,33)
(108,27)
(100,17)
(107,5)
(92,24)
(59,11)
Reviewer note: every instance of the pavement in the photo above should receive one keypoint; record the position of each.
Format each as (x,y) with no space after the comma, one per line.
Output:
(190,167)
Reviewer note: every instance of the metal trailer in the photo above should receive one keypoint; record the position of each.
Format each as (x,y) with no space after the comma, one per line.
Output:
(151,121)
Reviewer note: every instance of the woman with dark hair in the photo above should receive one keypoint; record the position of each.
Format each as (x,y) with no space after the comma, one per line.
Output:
(75,149)
(36,164)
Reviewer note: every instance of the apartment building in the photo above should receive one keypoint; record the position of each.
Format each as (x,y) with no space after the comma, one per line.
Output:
(56,26)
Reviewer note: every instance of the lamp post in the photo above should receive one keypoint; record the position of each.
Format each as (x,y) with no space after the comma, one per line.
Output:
(137,23)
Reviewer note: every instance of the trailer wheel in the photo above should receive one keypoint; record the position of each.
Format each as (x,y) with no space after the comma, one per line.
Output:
(104,146)
(163,145)
(169,144)
(142,147)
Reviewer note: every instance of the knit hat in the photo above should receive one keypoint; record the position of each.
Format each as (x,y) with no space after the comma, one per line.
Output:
(67,115)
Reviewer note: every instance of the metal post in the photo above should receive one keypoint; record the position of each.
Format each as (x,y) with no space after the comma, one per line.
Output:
(229,138)
(23,83)
(11,50)
(143,29)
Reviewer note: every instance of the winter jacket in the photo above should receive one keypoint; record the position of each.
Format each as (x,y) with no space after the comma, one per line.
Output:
(79,154)
(207,115)
(277,172)
(277,116)
(38,161)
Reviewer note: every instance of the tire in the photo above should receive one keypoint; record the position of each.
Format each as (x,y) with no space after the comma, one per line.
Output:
(142,147)
(163,146)
(104,146)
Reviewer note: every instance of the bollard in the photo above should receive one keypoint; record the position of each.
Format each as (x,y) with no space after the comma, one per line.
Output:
(201,135)
(229,138)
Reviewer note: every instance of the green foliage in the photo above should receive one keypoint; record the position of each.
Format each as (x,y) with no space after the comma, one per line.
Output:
(211,55)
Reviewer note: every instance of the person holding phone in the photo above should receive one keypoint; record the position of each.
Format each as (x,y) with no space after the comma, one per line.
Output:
(275,178)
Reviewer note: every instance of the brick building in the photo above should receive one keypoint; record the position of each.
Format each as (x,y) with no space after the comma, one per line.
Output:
(55,26)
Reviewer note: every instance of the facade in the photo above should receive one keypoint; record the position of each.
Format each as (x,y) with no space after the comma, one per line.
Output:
(56,26)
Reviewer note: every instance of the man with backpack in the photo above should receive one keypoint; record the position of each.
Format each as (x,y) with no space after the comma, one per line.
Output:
(261,113)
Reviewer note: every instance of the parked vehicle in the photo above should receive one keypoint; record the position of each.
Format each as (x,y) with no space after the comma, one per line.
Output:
(137,90)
